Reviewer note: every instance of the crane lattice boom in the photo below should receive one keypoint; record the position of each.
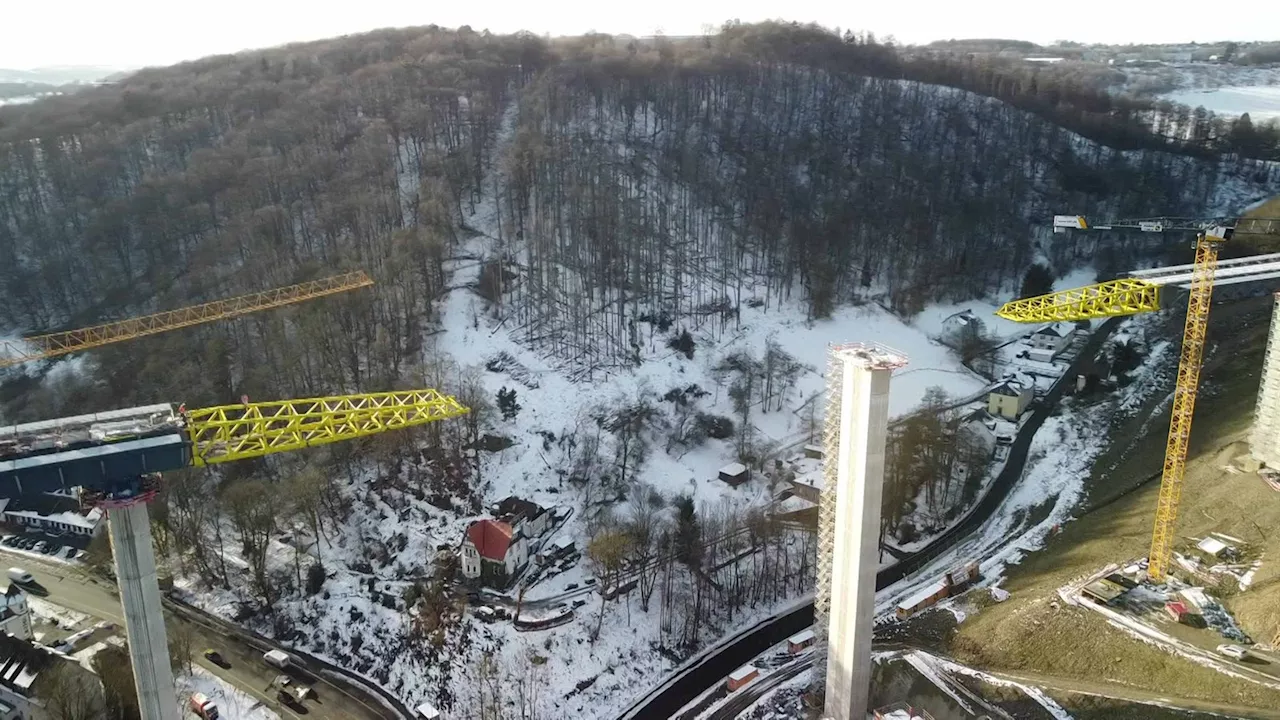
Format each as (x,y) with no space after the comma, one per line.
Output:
(1126,296)
(235,432)
(60,343)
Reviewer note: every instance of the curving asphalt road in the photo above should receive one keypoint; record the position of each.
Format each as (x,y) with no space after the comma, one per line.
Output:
(693,680)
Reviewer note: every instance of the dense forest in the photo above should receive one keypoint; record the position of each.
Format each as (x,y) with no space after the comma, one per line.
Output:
(666,182)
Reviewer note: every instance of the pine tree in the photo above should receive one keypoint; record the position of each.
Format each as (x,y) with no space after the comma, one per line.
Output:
(1037,281)
(507,404)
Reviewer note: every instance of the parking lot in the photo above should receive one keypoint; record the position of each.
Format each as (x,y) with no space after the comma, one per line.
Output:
(57,547)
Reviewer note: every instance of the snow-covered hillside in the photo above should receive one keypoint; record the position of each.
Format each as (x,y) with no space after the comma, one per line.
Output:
(350,624)
(557,442)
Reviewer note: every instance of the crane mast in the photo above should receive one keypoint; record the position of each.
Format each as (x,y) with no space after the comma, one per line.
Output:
(1184,404)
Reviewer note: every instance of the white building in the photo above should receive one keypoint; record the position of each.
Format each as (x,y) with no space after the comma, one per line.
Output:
(52,513)
(1010,398)
(15,614)
(1050,341)
(493,552)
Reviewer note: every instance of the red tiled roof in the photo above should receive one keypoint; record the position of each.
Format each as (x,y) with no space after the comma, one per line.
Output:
(491,538)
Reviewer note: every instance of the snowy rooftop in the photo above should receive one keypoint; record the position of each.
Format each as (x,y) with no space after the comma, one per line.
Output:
(1213,546)
(926,592)
(427,711)
(563,542)
(742,673)
(801,638)
(733,469)
(900,715)
(87,521)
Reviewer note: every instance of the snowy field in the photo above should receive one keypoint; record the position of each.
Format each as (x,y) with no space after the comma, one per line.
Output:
(1262,102)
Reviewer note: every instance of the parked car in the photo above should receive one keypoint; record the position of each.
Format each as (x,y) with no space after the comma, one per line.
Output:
(1233,651)
(66,551)
(49,549)
(9,540)
(216,658)
(287,699)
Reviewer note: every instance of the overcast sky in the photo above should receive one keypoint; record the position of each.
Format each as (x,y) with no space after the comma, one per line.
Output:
(132,33)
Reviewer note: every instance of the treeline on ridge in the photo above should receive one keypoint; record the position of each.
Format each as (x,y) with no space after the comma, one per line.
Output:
(641,187)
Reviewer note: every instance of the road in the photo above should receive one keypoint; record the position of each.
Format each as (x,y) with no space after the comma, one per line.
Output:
(692,680)
(1060,687)
(71,588)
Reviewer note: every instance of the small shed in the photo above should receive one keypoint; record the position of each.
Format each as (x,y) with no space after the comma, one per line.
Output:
(1194,598)
(923,598)
(813,452)
(742,676)
(735,474)
(1213,547)
(961,575)
(1176,610)
(800,641)
(1103,590)
(426,711)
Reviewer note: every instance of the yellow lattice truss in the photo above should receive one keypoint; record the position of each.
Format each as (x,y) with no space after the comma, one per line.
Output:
(54,344)
(235,432)
(1126,296)
(1184,404)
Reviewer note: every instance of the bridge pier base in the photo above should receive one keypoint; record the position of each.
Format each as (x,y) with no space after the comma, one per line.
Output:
(130,529)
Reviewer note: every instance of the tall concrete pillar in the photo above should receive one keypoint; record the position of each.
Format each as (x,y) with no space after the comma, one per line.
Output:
(857,433)
(130,529)
(1264,437)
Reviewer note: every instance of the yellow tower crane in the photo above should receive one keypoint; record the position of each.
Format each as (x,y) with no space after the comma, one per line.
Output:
(1129,296)
(39,347)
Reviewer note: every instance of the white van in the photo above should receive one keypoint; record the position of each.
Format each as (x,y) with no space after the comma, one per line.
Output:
(279,659)
(20,576)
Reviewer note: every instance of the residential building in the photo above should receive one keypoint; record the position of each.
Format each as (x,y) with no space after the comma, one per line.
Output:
(533,519)
(956,327)
(26,672)
(1050,341)
(493,552)
(52,513)
(15,614)
(1010,398)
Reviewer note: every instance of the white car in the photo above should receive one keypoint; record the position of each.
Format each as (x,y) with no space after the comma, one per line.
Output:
(1233,651)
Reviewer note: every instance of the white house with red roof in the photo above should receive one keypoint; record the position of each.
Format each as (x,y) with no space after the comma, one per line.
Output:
(494,552)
